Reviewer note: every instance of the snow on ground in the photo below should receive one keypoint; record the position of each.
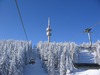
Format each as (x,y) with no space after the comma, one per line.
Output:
(34,69)
(87,72)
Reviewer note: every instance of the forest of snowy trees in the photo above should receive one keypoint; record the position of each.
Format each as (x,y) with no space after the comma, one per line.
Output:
(56,58)
(13,56)
(59,57)
(97,45)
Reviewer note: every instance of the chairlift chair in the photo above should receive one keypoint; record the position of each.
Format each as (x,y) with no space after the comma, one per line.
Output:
(32,61)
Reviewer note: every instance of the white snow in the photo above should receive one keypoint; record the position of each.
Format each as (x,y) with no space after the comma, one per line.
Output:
(64,59)
(87,72)
(58,58)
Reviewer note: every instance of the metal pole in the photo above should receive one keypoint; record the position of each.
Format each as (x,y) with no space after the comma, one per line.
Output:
(49,39)
(89,36)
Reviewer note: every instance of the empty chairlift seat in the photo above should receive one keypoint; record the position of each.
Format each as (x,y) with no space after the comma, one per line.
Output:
(32,61)
(86,58)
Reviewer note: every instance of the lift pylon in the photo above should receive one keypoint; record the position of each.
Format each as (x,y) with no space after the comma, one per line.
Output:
(88,30)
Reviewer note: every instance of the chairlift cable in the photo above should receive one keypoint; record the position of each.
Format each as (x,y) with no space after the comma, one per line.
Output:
(88,30)
(21,19)
(98,23)
(23,26)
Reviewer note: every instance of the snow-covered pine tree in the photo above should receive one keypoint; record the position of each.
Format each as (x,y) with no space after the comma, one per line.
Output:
(63,62)
(12,56)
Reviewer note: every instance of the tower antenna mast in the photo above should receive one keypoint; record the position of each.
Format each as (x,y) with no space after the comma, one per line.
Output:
(48,30)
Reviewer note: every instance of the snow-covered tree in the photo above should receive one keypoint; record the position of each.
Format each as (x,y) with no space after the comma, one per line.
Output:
(12,56)
(63,62)
(53,53)
(61,55)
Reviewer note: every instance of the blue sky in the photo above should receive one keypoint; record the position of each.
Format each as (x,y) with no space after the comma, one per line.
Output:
(68,19)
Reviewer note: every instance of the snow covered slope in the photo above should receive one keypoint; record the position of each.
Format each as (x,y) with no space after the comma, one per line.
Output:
(56,58)
(59,56)
(86,72)
(34,69)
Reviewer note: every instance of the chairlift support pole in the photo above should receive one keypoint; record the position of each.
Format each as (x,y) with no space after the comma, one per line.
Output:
(89,36)
(87,30)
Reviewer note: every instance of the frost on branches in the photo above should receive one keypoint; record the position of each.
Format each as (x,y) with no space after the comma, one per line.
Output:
(97,45)
(60,56)
(13,56)
(57,57)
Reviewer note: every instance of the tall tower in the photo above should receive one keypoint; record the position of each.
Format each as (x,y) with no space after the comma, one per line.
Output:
(48,30)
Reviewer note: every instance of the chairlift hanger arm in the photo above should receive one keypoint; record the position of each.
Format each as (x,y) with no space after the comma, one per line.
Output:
(87,30)
(98,23)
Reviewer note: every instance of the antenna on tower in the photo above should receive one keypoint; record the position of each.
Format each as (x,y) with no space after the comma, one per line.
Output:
(48,30)
(48,21)
(88,30)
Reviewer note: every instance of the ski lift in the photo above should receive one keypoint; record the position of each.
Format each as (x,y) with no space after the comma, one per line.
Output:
(87,53)
(85,58)
(88,30)
(44,59)
(32,61)
(32,56)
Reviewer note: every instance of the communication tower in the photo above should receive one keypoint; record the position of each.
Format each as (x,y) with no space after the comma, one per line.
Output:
(48,30)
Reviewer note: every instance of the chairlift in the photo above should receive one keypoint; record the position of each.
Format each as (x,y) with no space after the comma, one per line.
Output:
(88,63)
(88,30)
(32,58)
(32,61)
(89,49)
(44,59)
